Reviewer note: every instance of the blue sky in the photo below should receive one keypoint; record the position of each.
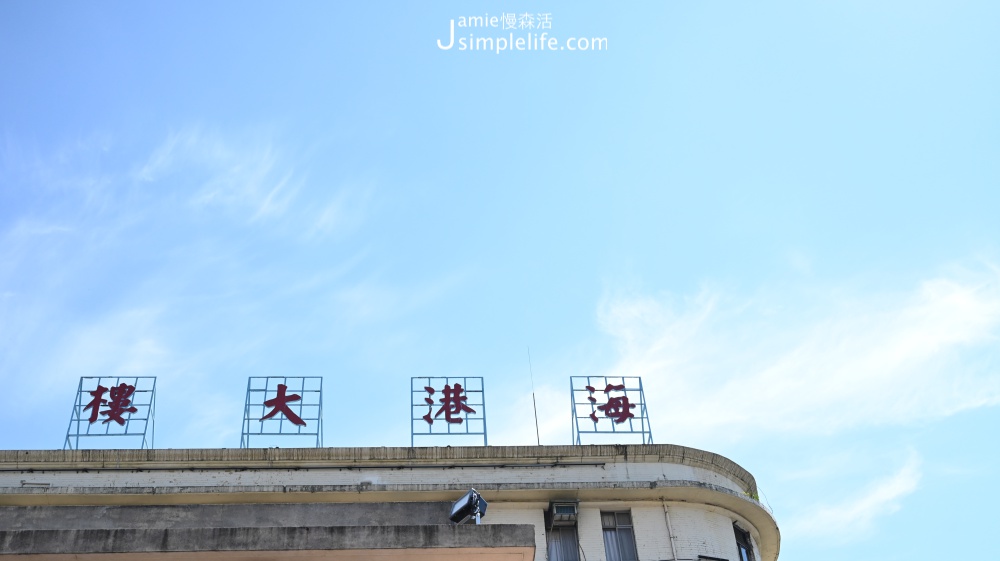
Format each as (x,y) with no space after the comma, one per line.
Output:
(782,215)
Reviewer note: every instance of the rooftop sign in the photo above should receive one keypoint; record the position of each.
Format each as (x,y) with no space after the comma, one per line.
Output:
(288,411)
(283,406)
(609,405)
(120,407)
(447,406)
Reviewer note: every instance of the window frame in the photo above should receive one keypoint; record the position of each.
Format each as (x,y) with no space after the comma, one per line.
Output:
(624,536)
(744,544)
(568,541)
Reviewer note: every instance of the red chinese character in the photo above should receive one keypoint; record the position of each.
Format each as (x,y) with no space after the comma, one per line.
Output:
(430,402)
(616,408)
(454,404)
(118,404)
(593,414)
(97,402)
(280,403)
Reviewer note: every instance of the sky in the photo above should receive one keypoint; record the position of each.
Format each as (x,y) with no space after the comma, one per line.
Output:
(782,216)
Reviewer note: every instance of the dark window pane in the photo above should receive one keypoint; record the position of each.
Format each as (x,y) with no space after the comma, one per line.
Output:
(611,549)
(563,544)
(608,519)
(743,543)
(624,518)
(626,541)
(570,545)
(553,544)
(554,553)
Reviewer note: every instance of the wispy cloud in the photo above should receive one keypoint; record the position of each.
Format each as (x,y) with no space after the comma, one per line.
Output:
(27,228)
(277,200)
(854,517)
(370,301)
(244,174)
(107,263)
(344,212)
(251,178)
(819,364)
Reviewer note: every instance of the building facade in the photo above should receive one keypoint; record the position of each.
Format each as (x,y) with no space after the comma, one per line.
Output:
(561,503)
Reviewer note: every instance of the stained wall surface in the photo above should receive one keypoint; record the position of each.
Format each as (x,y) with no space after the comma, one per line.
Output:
(683,502)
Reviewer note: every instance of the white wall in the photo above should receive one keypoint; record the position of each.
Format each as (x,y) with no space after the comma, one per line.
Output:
(698,529)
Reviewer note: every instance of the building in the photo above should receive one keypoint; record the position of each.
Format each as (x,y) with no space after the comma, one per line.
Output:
(562,503)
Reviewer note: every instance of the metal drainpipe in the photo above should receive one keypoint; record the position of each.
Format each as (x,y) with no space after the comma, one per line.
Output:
(670,532)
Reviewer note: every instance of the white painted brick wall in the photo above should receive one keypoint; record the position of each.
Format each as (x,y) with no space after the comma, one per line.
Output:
(649,525)
(590,532)
(521,513)
(702,531)
(651,539)
(698,530)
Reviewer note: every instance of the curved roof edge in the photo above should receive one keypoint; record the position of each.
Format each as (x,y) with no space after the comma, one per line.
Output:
(373,457)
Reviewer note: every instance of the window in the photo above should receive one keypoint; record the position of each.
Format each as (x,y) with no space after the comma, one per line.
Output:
(563,544)
(743,544)
(619,539)
(561,538)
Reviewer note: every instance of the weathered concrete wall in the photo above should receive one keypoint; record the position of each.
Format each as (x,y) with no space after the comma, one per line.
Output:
(222,516)
(462,456)
(268,494)
(522,513)
(264,539)
(361,479)
(697,530)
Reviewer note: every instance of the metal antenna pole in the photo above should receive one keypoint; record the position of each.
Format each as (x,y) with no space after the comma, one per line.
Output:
(538,439)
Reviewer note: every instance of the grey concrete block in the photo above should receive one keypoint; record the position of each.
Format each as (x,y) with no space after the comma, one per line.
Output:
(265,538)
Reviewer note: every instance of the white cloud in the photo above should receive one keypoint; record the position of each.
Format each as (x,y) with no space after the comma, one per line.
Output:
(245,174)
(344,212)
(29,228)
(276,202)
(372,301)
(249,177)
(854,517)
(783,363)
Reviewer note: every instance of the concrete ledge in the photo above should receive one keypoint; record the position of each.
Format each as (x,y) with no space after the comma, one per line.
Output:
(265,539)
(226,458)
(438,492)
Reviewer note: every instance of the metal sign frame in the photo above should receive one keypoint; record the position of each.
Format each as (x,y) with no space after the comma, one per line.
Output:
(424,403)
(272,421)
(139,426)
(586,408)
